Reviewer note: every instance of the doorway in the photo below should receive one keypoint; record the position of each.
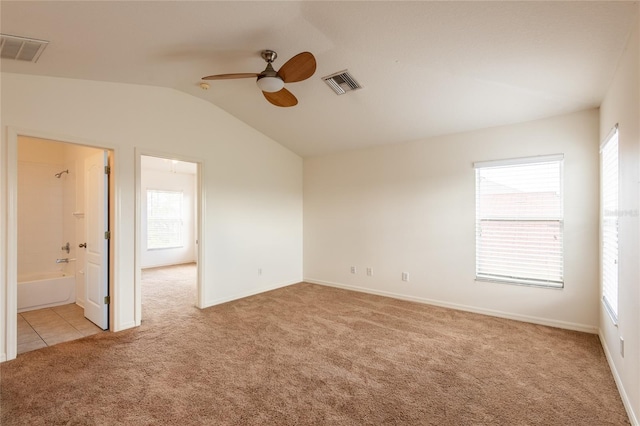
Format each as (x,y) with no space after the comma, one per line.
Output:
(169,203)
(57,211)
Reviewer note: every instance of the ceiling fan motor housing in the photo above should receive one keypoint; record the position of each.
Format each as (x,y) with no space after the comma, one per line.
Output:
(269,55)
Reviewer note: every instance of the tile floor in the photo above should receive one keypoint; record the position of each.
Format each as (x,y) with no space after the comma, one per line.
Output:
(46,327)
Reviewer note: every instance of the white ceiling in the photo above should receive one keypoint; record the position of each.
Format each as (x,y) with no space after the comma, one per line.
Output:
(428,68)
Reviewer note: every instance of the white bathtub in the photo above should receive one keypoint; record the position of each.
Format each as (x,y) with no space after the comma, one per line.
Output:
(45,290)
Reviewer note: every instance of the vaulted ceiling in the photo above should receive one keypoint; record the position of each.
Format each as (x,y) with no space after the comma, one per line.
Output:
(427,68)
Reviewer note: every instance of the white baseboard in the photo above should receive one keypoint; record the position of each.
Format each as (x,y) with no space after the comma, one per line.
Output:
(616,377)
(3,357)
(242,295)
(508,315)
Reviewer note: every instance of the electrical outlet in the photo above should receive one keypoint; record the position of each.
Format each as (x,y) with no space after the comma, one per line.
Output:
(370,272)
(353,269)
(405,276)
(622,347)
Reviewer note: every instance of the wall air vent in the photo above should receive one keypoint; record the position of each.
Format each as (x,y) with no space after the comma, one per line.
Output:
(341,82)
(21,48)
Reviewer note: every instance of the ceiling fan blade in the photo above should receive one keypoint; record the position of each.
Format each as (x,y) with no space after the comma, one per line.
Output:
(281,98)
(298,68)
(230,76)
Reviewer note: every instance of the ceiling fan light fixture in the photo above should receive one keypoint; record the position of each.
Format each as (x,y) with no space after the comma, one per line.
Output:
(270,84)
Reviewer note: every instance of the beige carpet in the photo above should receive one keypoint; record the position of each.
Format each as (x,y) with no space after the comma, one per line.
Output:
(311,355)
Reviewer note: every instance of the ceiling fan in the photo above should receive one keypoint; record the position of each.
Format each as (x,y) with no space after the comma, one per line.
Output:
(271,82)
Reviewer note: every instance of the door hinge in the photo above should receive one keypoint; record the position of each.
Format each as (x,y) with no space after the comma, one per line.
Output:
(107,300)
(107,170)
(107,235)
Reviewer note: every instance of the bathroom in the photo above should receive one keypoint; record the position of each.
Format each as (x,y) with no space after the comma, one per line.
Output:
(52,264)
(50,223)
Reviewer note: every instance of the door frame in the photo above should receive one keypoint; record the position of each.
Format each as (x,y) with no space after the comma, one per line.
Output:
(200,224)
(11,300)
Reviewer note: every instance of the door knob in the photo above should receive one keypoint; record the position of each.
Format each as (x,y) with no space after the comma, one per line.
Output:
(82,245)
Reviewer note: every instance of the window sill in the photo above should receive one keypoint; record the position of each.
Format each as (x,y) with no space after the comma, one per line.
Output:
(164,248)
(609,311)
(525,283)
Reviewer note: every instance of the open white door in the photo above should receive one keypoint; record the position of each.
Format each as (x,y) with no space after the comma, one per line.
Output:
(96,208)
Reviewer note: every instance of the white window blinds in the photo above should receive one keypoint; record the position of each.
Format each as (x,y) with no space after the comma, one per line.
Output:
(609,225)
(164,219)
(519,221)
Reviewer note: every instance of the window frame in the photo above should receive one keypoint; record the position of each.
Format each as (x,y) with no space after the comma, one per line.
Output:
(611,141)
(180,220)
(515,279)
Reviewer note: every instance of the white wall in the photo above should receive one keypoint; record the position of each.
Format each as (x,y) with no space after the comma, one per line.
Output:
(411,208)
(252,185)
(622,105)
(182,182)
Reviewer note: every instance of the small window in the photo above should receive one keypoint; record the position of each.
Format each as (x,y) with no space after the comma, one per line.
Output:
(164,219)
(519,221)
(609,222)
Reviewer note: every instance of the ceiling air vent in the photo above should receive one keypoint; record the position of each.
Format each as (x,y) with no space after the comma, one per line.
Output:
(21,48)
(341,82)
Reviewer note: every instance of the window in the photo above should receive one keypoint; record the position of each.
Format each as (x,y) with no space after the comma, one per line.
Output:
(164,219)
(609,222)
(519,221)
